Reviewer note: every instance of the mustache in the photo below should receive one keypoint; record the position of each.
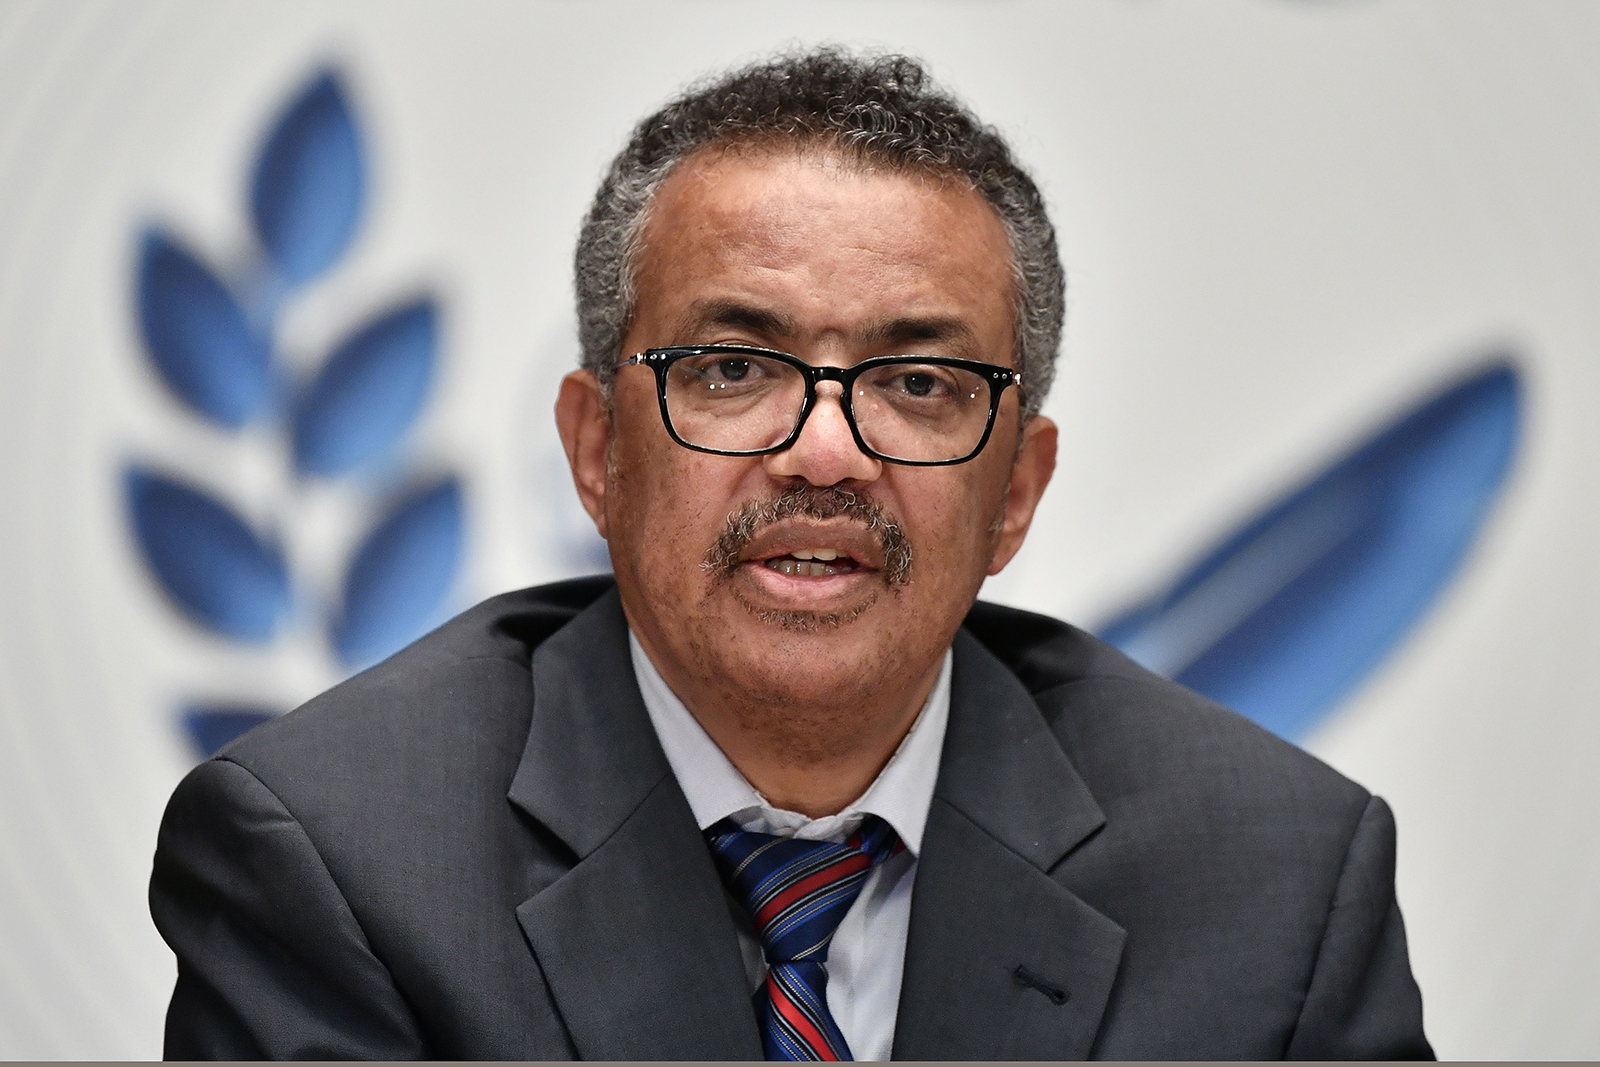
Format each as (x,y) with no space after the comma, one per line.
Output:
(812,502)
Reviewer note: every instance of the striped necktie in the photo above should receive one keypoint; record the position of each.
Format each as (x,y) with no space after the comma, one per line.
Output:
(797,892)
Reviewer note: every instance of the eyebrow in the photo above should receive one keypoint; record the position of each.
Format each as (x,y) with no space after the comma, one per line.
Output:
(936,328)
(707,314)
(704,315)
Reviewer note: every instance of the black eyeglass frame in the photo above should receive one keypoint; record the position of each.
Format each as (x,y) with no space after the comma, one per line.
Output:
(661,360)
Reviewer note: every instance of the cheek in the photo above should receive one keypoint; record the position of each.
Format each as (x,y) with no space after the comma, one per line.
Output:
(641,469)
(947,518)
(668,503)
(648,499)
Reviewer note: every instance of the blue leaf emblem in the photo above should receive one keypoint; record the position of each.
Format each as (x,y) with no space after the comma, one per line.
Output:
(206,558)
(401,575)
(1296,607)
(309,182)
(209,728)
(369,392)
(197,335)
(211,337)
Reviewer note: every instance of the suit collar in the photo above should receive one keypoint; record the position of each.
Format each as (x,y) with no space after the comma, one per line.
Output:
(591,756)
(635,941)
(1002,767)
(1002,960)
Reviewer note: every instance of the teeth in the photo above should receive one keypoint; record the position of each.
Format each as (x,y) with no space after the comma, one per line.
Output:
(803,568)
(815,553)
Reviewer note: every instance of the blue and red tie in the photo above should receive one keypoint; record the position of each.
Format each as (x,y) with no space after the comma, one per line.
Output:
(797,892)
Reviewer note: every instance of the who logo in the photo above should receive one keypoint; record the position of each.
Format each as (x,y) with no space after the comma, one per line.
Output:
(337,418)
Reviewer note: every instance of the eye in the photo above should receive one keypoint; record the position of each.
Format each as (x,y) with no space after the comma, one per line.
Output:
(726,370)
(922,390)
(919,383)
(729,374)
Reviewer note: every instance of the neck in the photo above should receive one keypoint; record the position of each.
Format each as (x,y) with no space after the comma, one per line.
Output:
(811,757)
(821,782)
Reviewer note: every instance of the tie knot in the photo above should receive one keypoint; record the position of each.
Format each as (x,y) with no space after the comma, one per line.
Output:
(798,891)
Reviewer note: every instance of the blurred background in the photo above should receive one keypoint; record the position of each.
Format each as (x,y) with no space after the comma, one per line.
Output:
(284,294)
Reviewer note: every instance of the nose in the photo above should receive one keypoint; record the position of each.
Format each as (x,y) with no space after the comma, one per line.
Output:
(825,453)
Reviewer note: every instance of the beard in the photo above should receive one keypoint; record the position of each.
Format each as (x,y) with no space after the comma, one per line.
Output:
(803,500)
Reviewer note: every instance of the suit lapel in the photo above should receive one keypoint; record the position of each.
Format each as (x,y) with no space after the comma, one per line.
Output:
(635,941)
(1002,961)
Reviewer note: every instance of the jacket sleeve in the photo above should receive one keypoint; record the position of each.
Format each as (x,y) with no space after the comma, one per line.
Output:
(272,964)
(1362,1002)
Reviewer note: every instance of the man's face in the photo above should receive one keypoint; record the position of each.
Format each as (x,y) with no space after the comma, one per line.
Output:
(816,574)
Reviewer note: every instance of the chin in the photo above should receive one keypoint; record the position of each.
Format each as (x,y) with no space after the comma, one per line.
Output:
(803,655)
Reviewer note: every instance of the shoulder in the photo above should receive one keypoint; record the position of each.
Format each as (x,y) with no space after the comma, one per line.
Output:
(1142,741)
(450,709)
(1254,883)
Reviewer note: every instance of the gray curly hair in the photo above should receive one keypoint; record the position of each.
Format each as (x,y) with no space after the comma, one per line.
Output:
(880,109)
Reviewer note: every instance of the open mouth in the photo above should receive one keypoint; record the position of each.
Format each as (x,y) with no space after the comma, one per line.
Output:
(812,562)
(831,540)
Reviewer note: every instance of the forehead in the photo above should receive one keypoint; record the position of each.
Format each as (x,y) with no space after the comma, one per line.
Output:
(832,245)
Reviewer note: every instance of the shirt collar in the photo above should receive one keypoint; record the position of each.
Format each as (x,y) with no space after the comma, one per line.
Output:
(715,789)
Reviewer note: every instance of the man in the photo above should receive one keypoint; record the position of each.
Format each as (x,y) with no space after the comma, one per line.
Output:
(781,789)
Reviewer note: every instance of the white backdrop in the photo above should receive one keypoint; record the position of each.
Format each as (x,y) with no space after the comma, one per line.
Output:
(1282,222)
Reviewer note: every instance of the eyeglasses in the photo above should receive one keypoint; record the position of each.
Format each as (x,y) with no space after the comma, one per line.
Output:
(734,400)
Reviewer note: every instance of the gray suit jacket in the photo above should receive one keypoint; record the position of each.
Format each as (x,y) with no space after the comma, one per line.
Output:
(477,850)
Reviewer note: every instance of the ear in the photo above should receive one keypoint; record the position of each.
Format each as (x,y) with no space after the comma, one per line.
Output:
(1030,474)
(584,421)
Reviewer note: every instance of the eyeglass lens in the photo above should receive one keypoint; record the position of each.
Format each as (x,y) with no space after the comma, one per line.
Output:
(921,412)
